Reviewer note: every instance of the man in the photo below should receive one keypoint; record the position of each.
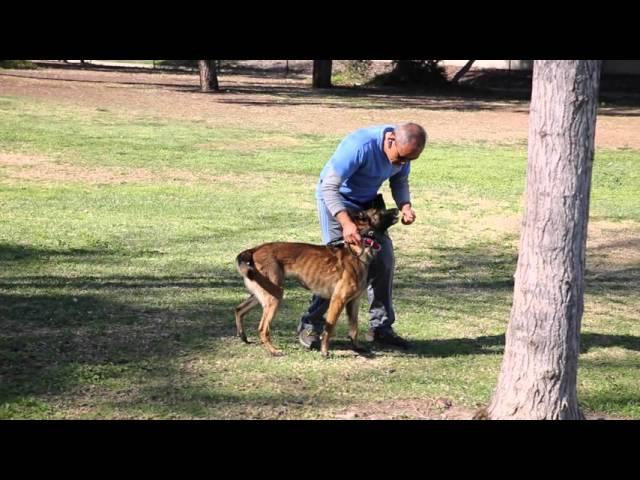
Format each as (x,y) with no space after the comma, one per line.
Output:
(362,162)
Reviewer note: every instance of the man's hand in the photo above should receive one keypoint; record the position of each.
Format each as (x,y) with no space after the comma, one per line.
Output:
(350,234)
(408,214)
(349,229)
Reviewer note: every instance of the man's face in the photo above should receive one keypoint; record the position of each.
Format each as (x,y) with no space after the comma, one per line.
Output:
(401,154)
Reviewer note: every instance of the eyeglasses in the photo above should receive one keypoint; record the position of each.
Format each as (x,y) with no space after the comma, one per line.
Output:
(400,157)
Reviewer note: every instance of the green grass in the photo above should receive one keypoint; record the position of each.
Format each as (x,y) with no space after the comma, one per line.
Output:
(116,297)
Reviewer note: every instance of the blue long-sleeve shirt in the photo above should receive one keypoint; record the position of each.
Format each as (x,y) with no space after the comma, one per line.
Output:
(357,170)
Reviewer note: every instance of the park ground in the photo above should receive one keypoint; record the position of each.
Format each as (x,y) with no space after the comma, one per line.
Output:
(127,194)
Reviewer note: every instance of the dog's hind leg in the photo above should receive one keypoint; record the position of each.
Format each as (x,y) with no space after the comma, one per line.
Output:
(270,295)
(270,308)
(241,310)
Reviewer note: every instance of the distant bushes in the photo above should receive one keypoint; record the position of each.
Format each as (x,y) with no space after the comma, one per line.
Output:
(417,73)
(19,64)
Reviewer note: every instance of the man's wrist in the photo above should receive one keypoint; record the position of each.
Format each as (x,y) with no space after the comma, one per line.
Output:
(343,218)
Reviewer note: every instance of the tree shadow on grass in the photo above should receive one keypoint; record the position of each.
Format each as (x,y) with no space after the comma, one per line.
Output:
(53,341)
(471,281)
(51,338)
(494,345)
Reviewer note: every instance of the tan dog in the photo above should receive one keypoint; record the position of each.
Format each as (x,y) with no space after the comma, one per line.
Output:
(335,272)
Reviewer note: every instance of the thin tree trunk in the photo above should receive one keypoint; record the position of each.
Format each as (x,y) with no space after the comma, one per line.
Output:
(539,370)
(322,74)
(208,76)
(462,71)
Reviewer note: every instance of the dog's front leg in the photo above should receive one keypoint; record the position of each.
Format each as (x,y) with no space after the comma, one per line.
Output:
(333,313)
(352,313)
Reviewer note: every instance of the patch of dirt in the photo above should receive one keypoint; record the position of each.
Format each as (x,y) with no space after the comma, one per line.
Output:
(418,409)
(266,143)
(614,245)
(43,169)
(47,170)
(289,104)
(423,409)
(496,226)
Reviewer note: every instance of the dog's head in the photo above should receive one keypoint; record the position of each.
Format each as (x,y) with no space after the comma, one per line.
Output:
(374,222)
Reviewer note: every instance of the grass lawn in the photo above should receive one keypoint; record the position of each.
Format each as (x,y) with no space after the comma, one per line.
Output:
(118,237)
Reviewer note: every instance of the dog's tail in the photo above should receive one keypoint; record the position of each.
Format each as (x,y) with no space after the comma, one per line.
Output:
(247,268)
(244,262)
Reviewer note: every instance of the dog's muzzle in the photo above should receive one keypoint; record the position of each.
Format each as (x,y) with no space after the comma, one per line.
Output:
(370,239)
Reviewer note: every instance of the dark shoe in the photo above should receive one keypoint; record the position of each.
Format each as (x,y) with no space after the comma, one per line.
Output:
(309,338)
(387,337)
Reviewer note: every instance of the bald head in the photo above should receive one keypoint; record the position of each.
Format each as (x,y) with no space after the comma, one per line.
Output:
(411,134)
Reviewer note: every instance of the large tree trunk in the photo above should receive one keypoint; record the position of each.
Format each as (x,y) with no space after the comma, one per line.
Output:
(208,76)
(321,74)
(539,369)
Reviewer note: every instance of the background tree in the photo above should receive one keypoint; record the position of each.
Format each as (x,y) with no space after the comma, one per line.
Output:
(539,370)
(321,74)
(467,66)
(208,76)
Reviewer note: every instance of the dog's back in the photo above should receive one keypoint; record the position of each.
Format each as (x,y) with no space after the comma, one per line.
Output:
(317,267)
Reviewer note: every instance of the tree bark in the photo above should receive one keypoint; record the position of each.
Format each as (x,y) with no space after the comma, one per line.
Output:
(539,370)
(321,74)
(208,76)
(462,71)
